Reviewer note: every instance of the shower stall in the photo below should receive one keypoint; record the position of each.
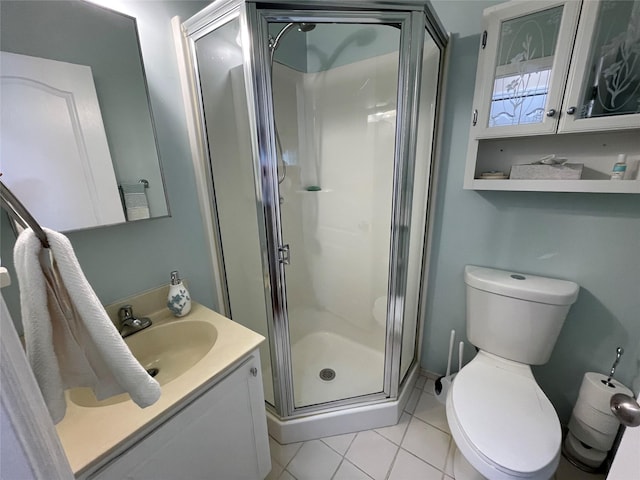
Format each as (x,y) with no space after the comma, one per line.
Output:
(317,124)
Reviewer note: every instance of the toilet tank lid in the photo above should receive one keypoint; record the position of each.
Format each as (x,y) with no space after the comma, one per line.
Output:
(521,285)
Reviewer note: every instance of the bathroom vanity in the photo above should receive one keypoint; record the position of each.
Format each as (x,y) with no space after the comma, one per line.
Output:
(209,422)
(218,434)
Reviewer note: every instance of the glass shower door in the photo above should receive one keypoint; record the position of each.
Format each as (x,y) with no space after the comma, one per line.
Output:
(318,126)
(219,58)
(335,90)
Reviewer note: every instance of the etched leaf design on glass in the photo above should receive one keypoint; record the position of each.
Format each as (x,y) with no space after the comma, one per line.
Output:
(613,86)
(525,56)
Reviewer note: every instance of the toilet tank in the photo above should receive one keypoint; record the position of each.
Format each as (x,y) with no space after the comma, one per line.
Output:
(516,316)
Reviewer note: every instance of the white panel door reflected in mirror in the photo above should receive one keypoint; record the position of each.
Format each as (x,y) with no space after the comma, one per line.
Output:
(54,148)
(107,41)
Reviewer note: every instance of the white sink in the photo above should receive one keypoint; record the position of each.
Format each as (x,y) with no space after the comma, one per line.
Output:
(172,348)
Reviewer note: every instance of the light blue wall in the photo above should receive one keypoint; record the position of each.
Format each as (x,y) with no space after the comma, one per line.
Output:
(332,45)
(125,259)
(592,239)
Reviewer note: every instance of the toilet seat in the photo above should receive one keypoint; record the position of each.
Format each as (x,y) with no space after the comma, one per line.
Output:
(501,420)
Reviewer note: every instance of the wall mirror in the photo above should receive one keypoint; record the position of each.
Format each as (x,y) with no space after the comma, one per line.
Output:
(77,139)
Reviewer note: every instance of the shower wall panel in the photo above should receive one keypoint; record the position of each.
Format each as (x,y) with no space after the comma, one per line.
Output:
(337,131)
(351,149)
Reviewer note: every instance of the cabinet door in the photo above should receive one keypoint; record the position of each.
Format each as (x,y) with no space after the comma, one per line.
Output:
(523,67)
(221,435)
(603,90)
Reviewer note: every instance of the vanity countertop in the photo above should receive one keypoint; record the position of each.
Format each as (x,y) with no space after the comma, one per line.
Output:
(90,434)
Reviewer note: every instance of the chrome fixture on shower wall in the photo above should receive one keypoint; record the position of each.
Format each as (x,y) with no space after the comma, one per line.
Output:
(273,46)
(274,42)
(358,119)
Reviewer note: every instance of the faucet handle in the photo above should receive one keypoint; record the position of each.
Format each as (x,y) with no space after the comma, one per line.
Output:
(130,324)
(125,313)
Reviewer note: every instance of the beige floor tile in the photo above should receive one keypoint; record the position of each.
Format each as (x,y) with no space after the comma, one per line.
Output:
(427,442)
(340,443)
(283,453)
(430,410)
(407,467)
(314,461)
(448,467)
(276,471)
(413,400)
(372,453)
(348,471)
(286,476)
(395,433)
(430,386)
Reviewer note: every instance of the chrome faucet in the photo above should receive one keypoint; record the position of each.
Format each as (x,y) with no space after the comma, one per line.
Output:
(130,324)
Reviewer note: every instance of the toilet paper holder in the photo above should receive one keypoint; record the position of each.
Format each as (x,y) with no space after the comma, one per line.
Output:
(607,382)
(626,409)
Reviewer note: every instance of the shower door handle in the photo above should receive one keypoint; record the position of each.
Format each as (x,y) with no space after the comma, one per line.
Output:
(285,254)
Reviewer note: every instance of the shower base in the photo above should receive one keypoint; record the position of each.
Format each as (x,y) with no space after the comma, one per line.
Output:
(358,369)
(354,350)
(322,340)
(347,419)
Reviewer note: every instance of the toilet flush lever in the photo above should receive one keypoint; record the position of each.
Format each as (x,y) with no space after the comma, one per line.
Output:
(619,352)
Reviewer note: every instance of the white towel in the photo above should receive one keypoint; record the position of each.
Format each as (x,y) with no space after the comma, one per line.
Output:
(70,340)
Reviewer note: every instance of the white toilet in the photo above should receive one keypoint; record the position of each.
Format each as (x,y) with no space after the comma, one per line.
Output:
(504,426)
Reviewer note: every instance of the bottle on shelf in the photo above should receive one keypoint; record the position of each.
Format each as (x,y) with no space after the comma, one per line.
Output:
(619,168)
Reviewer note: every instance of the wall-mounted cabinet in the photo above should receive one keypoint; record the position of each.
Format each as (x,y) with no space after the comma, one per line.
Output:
(562,78)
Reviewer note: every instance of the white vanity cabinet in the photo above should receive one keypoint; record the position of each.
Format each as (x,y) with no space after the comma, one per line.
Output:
(222,434)
(555,67)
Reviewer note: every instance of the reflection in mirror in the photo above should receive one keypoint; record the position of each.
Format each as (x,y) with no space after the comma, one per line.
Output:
(77,141)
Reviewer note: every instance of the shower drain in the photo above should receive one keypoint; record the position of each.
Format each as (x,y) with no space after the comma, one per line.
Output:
(153,372)
(327,374)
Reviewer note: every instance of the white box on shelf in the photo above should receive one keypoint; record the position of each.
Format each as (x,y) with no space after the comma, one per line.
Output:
(567,171)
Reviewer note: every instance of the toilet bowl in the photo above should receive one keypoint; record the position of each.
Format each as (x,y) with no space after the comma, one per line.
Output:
(504,426)
(502,422)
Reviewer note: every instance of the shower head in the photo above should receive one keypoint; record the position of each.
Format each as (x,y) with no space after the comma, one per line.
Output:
(302,27)
(306,27)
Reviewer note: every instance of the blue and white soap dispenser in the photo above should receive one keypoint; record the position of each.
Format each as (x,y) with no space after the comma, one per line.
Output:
(178,300)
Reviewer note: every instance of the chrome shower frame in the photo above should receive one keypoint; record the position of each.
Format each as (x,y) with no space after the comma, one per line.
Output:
(415,20)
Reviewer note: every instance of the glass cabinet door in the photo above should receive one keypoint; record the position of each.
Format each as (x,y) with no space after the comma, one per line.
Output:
(604,81)
(525,63)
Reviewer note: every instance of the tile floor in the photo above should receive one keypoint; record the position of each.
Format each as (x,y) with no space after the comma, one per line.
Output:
(419,447)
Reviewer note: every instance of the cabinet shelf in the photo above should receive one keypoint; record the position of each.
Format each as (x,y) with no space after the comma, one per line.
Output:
(592,186)
(541,88)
